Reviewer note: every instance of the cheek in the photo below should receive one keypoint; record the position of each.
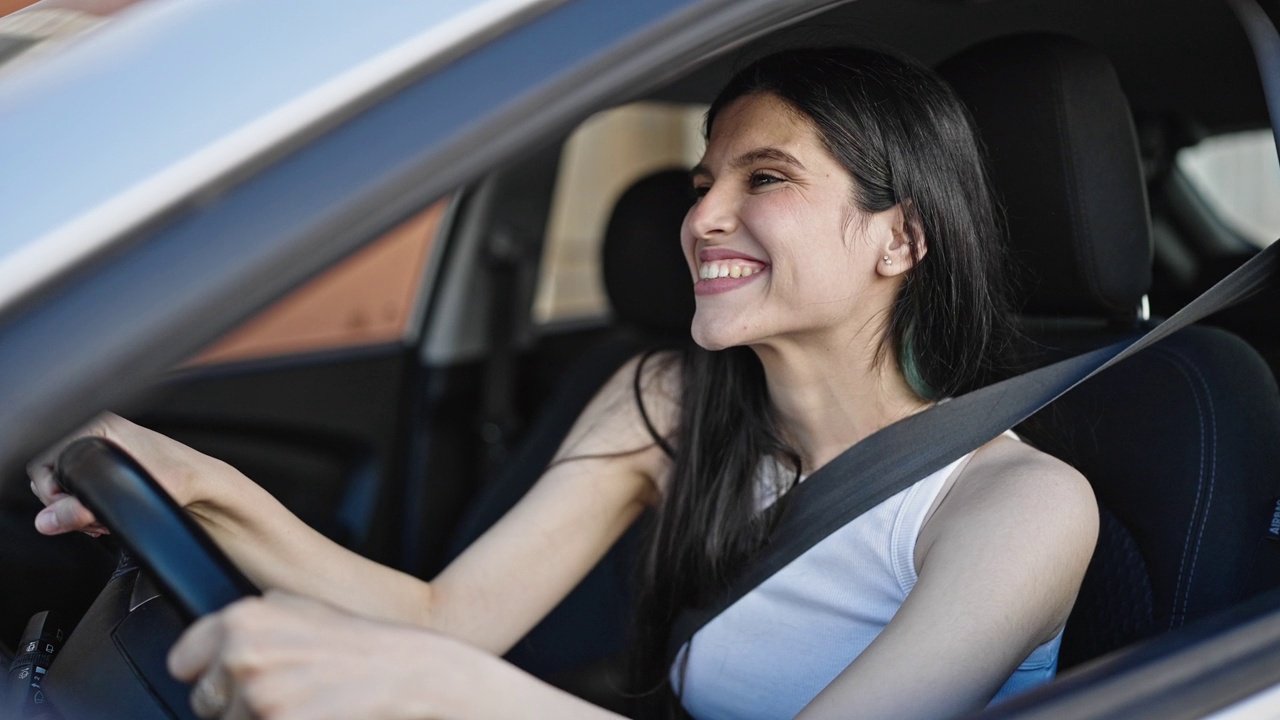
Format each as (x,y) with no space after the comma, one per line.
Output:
(688,248)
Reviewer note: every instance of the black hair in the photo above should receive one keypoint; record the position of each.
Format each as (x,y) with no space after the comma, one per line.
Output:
(907,141)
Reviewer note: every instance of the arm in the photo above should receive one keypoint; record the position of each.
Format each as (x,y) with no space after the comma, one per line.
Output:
(606,472)
(285,656)
(1000,564)
(268,543)
(493,594)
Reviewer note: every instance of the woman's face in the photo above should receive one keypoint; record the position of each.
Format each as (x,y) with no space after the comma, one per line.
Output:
(775,244)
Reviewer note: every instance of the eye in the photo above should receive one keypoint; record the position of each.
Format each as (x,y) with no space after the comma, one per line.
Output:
(760,178)
(697,191)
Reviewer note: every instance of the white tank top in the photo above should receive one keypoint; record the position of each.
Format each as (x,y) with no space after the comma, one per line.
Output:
(770,653)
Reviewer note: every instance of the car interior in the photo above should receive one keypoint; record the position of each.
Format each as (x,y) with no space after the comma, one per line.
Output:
(407,449)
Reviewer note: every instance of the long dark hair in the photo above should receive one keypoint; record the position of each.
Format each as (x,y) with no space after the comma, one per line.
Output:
(906,140)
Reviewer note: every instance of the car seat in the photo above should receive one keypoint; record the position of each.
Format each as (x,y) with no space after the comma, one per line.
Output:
(648,284)
(1181,442)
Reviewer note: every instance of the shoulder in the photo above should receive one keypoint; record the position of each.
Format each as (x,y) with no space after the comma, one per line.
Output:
(618,426)
(1010,478)
(649,385)
(1022,517)
(1013,539)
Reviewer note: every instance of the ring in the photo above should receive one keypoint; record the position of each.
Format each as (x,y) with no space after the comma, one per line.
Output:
(209,697)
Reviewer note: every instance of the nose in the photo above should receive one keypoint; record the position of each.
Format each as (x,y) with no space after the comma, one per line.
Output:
(713,216)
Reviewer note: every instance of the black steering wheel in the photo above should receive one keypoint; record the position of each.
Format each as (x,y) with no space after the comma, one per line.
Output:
(141,515)
(113,664)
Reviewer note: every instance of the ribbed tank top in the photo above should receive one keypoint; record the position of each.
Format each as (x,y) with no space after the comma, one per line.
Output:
(770,653)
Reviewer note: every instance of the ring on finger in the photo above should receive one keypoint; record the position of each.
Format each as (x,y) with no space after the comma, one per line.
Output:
(210,696)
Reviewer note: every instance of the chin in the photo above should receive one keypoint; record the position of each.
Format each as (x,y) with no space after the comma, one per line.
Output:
(709,345)
(712,335)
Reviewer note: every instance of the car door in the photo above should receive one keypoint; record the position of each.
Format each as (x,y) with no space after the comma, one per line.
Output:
(310,397)
(149,245)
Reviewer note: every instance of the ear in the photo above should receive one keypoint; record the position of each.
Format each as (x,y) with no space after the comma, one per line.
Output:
(905,244)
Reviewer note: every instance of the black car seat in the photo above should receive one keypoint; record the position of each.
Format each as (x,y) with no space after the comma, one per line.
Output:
(1181,442)
(649,290)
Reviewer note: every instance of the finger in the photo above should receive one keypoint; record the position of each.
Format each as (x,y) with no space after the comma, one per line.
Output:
(239,709)
(198,647)
(211,695)
(301,698)
(41,468)
(44,482)
(65,515)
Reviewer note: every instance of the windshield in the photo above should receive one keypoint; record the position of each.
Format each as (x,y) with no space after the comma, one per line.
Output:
(170,96)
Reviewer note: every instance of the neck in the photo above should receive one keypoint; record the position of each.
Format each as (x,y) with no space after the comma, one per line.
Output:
(830,395)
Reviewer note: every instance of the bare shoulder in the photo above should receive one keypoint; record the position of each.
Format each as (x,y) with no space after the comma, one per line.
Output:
(1011,478)
(1022,519)
(646,385)
(640,401)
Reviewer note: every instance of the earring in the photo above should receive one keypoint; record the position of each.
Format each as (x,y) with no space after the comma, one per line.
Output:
(887,261)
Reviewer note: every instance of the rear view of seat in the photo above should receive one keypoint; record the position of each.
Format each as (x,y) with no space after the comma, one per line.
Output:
(1182,442)
(650,293)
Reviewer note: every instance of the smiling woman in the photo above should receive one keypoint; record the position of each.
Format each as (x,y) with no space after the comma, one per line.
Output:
(846,262)
(844,215)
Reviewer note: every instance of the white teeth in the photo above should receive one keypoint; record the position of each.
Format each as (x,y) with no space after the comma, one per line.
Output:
(712,270)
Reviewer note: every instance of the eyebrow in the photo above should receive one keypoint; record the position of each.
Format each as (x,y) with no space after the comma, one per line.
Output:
(750,158)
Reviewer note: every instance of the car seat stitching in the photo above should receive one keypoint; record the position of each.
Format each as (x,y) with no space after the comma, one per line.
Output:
(1212,457)
(1181,588)
(1178,586)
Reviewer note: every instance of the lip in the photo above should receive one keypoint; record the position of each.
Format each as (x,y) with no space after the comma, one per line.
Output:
(714,254)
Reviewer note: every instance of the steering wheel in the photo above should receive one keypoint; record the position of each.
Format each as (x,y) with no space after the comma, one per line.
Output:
(113,664)
(127,500)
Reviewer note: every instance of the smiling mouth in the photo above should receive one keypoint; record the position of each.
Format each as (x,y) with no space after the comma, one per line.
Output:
(728,269)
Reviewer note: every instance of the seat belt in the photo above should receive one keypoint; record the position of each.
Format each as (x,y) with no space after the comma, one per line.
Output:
(892,459)
(499,419)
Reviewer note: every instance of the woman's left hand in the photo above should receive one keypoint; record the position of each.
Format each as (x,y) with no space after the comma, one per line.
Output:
(282,656)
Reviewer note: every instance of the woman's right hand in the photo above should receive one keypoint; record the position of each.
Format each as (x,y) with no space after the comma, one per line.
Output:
(179,470)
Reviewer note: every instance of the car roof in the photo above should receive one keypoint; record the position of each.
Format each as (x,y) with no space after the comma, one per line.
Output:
(1182,58)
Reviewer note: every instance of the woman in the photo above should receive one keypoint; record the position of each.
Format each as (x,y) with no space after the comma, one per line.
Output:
(842,251)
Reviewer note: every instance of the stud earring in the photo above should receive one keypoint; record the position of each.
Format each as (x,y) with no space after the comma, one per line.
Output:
(887,261)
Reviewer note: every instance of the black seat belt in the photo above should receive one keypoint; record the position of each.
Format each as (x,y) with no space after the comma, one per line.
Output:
(893,459)
(499,419)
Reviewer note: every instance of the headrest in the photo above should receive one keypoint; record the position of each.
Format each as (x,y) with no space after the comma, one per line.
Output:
(645,273)
(1064,161)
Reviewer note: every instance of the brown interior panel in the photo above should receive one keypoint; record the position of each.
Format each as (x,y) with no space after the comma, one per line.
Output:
(366,300)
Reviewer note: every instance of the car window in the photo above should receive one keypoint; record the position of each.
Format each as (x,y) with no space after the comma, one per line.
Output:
(368,299)
(1238,175)
(602,158)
